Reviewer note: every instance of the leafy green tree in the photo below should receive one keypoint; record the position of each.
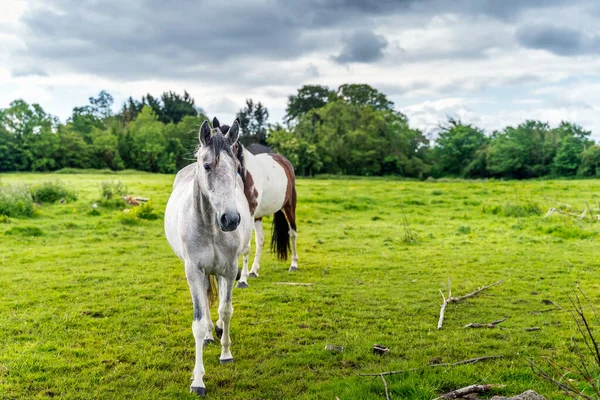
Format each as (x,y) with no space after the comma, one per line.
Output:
(32,136)
(459,149)
(302,154)
(526,151)
(130,110)
(573,141)
(590,162)
(101,106)
(148,143)
(357,139)
(253,123)
(73,150)
(105,151)
(84,121)
(363,94)
(176,107)
(308,97)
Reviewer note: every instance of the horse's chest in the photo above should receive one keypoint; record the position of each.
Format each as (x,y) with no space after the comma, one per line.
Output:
(216,254)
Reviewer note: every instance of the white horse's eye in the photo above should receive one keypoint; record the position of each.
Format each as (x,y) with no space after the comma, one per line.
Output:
(206,167)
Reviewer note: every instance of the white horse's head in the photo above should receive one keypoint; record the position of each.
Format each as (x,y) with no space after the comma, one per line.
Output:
(217,170)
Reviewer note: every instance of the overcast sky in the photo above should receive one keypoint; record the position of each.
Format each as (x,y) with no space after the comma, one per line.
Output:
(488,62)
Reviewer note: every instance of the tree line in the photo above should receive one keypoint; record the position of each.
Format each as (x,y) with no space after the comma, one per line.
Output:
(353,130)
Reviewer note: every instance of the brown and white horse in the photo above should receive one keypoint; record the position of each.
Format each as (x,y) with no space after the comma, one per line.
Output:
(269,186)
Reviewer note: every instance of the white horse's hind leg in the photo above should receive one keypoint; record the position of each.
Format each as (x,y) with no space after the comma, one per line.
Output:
(293,236)
(259,237)
(225,314)
(196,281)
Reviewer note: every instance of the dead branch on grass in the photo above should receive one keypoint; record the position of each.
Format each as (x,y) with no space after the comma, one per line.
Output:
(491,325)
(452,299)
(460,393)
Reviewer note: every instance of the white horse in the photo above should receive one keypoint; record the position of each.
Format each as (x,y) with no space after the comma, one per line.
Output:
(208,225)
(269,186)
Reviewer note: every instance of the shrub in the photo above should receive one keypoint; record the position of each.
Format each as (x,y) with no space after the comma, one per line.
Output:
(51,192)
(16,201)
(145,211)
(112,189)
(513,210)
(463,230)
(127,217)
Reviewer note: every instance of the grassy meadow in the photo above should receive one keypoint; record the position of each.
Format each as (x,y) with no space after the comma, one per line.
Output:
(94,304)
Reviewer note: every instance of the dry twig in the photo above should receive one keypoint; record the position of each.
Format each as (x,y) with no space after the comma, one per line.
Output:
(387,394)
(491,325)
(460,393)
(452,299)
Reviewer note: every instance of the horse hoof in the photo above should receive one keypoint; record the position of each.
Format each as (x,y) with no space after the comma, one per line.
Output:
(219,332)
(253,275)
(226,361)
(209,341)
(241,285)
(200,391)
(293,269)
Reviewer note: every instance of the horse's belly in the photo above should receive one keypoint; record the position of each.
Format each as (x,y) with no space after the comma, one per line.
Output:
(272,193)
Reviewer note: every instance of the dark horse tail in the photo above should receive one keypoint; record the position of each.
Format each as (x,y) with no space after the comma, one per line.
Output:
(280,239)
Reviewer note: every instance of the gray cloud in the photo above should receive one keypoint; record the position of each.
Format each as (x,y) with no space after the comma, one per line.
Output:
(32,71)
(361,46)
(240,42)
(558,40)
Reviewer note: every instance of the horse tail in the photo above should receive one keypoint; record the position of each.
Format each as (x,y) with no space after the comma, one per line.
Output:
(280,239)
(212,291)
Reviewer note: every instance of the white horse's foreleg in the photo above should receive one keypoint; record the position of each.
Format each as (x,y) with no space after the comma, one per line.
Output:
(259,237)
(225,313)
(209,338)
(243,282)
(196,281)
(293,236)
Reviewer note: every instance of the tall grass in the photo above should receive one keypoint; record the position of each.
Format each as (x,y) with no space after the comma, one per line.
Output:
(16,202)
(51,192)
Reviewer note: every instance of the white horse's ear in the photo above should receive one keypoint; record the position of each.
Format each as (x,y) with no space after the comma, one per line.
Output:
(234,132)
(216,123)
(204,133)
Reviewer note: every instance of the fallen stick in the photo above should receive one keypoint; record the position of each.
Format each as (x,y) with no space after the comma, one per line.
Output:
(491,325)
(451,299)
(545,301)
(463,362)
(387,393)
(293,283)
(460,393)
(533,328)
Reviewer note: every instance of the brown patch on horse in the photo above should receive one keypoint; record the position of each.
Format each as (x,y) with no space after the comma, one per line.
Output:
(250,192)
(289,204)
(249,189)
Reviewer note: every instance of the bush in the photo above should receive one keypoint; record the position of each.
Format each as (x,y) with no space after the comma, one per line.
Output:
(112,189)
(16,201)
(127,217)
(145,211)
(514,210)
(51,192)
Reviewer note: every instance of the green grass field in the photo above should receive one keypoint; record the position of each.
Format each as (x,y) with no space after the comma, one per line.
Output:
(97,307)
